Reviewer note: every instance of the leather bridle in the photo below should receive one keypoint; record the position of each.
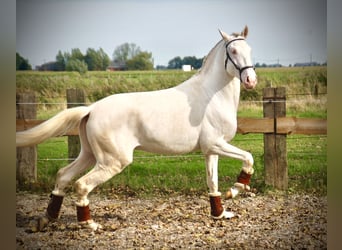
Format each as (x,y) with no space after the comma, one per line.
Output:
(228,57)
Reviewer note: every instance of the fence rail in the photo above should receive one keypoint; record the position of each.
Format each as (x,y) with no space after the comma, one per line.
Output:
(274,125)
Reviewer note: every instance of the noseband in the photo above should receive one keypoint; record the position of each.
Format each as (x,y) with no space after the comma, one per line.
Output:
(229,58)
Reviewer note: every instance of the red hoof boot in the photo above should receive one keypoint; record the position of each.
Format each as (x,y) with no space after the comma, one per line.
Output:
(216,206)
(244,178)
(84,219)
(83,213)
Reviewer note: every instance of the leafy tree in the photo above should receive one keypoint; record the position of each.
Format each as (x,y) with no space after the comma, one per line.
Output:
(97,60)
(60,61)
(105,60)
(77,54)
(175,63)
(92,59)
(76,65)
(196,63)
(125,52)
(22,63)
(142,61)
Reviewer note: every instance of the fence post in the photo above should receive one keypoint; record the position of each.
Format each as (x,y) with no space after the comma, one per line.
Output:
(275,155)
(75,97)
(26,163)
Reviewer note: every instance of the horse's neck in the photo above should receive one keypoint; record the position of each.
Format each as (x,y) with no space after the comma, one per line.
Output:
(216,82)
(212,83)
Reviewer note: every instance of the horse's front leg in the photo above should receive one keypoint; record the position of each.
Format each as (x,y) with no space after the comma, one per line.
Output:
(242,184)
(217,211)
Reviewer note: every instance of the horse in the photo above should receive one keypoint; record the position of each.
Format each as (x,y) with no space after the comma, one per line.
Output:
(199,114)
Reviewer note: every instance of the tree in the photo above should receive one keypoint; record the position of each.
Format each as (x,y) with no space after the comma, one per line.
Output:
(60,61)
(76,65)
(142,61)
(105,60)
(125,52)
(92,59)
(77,54)
(22,63)
(175,63)
(195,62)
(96,60)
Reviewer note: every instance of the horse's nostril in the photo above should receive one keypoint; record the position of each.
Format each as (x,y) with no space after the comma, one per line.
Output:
(248,79)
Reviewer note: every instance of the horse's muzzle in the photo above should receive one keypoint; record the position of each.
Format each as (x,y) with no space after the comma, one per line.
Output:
(250,82)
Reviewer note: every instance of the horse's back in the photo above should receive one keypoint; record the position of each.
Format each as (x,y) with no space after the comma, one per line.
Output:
(156,121)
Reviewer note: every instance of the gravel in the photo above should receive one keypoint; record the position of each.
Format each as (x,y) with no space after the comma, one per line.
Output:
(269,221)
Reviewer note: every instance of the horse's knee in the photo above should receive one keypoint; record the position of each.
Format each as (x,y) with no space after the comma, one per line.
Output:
(249,161)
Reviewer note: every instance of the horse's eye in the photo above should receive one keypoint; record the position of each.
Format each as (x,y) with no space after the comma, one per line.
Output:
(234,52)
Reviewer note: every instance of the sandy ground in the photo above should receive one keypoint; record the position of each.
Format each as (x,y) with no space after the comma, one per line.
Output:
(272,221)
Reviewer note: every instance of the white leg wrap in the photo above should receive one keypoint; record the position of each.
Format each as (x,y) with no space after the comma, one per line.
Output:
(82,203)
(215,194)
(248,170)
(58,192)
(241,186)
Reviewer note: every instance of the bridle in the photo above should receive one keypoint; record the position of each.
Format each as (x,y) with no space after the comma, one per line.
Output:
(229,58)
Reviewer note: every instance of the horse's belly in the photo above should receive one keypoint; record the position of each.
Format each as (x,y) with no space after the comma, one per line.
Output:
(168,148)
(169,139)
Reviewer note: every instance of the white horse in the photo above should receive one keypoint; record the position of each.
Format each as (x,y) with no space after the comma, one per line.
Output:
(198,114)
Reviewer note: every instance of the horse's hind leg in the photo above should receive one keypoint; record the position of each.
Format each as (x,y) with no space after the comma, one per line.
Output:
(64,176)
(98,175)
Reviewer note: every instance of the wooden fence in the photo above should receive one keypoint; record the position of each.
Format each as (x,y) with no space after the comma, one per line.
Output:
(274,125)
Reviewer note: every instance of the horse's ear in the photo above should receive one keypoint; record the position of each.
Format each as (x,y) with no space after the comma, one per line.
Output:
(244,33)
(224,35)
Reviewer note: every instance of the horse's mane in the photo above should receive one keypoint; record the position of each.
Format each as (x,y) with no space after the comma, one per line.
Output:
(235,34)
(205,59)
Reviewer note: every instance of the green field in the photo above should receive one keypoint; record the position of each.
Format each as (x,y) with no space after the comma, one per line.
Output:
(307,160)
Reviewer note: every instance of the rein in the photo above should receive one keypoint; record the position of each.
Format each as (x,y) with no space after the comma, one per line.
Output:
(229,58)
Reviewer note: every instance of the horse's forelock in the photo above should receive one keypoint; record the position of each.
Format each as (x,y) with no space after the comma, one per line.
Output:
(235,34)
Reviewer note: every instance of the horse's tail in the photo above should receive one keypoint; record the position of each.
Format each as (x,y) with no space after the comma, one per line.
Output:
(58,125)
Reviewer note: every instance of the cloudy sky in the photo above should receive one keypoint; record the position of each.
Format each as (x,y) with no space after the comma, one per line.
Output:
(287,31)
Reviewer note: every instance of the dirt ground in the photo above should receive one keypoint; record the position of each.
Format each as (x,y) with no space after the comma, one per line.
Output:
(270,221)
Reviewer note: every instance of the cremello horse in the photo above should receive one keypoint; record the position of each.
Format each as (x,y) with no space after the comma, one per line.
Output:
(198,114)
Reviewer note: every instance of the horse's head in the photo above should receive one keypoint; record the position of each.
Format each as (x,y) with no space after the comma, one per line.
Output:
(238,60)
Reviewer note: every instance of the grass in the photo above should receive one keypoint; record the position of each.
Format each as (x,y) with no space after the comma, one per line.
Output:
(150,174)
(307,160)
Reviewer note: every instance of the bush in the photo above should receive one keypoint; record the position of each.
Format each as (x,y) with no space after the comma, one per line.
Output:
(76,65)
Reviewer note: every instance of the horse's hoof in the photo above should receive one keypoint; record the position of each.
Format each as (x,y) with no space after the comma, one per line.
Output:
(231,193)
(39,224)
(43,222)
(90,224)
(228,215)
(228,195)
(225,215)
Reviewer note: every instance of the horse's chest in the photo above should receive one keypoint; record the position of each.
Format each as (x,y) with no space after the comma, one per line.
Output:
(222,122)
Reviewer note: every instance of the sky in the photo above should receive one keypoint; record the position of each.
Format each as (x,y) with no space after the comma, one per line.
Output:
(280,31)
